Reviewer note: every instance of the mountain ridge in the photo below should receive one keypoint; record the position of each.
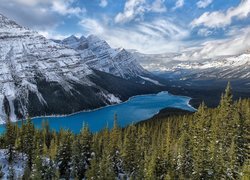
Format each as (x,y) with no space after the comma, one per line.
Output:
(97,54)
(224,67)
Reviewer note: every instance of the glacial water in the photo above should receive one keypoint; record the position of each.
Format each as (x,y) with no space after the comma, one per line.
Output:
(136,109)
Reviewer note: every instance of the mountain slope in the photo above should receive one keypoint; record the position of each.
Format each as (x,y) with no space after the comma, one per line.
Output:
(97,54)
(39,77)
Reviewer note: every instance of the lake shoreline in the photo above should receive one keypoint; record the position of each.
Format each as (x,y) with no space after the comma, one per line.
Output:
(135,109)
(189,99)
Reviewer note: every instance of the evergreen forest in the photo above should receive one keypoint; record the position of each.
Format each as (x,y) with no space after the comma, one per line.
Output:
(212,143)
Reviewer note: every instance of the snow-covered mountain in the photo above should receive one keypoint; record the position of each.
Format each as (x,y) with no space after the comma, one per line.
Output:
(232,67)
(39,76)
(97,54)
(224,67)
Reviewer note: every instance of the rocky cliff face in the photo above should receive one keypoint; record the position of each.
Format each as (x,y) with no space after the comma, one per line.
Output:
(97,54)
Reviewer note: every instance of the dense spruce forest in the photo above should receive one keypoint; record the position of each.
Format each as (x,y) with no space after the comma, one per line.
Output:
(208,144)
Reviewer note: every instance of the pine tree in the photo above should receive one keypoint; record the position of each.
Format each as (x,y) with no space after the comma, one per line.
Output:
(114,153)
(53,148)
(36,173)
(143,149)
(49,170)
(93,172)
(106,170)
(186,156)
(21,144)
(160,166)
(167,149)
(130,157)
(82,152)
(64,154)
(47,134)
(150,165)
(39,143)
(201,143)
(28,140)
(225,129)
(106,166)
(226,111)
(10,139)
(239,145)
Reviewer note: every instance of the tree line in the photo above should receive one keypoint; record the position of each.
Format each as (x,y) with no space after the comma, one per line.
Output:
(209,144)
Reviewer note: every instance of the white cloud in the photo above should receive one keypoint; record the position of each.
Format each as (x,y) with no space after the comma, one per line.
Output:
(30,2)
(64,7)
(236,43)
(157,36)
(103,3)
(218,19)
(158,6)
(135,10)
(92,25)
(179,4)
(203,3)
(204,32)
(132,9)
(40,15)
(31,14)
(53,35)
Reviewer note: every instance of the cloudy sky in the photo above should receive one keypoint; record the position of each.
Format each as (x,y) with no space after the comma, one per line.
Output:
(220,27)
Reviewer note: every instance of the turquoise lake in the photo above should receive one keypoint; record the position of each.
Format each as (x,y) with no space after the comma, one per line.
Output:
(136,109)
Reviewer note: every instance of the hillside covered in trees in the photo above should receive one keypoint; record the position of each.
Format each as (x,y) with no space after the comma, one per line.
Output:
(209,144)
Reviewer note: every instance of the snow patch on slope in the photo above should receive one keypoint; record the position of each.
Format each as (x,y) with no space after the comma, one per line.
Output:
(18,164)
(111,98)
(152,81)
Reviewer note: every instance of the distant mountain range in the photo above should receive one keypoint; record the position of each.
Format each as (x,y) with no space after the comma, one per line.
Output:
(43,77)
(184,66)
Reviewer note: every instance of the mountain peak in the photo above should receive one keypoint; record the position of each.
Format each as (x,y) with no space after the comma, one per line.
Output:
(71,38)
(97,44)
(3,18)
(75,42)
(82,38)
(6,22)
